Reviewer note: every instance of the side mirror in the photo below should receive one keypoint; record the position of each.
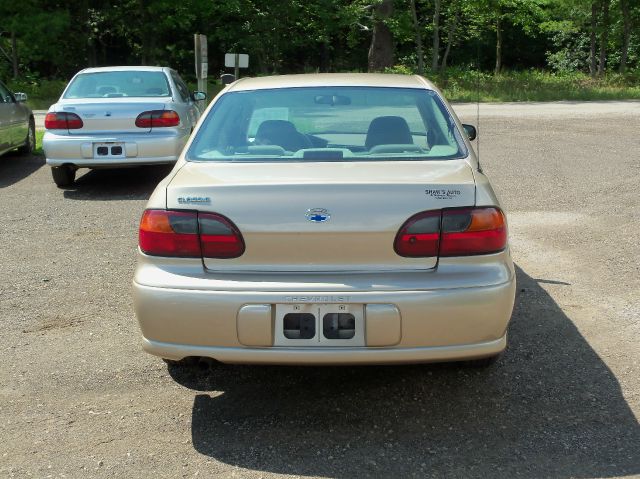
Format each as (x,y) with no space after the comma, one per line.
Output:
(198,96)
(471,131)
(227,78)
(20,97)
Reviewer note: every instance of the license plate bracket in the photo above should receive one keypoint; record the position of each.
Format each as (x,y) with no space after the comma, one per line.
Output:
(319,325)
(106,150)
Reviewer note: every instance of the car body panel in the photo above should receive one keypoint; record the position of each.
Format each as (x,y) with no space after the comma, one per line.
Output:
(437,309)
(14,120)
(157,147)
(430,318)
(109,115)
(362,222)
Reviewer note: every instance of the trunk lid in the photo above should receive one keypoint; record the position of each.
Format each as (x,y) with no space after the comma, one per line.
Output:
(109,115)
(340,216)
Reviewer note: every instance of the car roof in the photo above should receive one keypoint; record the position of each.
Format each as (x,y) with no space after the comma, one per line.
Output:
(137,68)
(332,79)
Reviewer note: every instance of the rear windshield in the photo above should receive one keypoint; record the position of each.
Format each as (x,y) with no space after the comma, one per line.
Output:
(118,84)
(328,124)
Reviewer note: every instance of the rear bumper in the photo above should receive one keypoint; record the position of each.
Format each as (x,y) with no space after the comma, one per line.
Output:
(328,356)
(441,319)
(139,149)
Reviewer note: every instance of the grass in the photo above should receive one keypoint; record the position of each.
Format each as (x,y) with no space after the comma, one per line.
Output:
(38,150)
(537,86)
(458,84)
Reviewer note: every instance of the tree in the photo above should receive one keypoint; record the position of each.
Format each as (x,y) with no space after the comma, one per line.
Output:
(525,13)
(453,18)
(436,36)
(418,35)
(626,35)
(604,37)
(593,35)
(382,49)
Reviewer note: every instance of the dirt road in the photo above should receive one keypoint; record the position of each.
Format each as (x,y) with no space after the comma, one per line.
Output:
(78,397)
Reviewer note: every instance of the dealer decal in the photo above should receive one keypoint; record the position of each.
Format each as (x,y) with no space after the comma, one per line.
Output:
(443,193)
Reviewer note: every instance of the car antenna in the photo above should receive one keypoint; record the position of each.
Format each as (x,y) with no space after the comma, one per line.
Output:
(478,104)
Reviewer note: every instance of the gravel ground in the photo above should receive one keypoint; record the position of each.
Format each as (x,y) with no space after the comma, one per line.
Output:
(78,397)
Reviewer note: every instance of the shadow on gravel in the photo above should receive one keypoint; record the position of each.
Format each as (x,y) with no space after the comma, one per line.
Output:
(14,168)
(549,408)
(136,183)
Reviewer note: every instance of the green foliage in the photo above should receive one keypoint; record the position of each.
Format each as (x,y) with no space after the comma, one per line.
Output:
(536,85)
(55,39)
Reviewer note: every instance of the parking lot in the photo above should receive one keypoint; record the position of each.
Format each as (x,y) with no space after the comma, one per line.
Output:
(79,398)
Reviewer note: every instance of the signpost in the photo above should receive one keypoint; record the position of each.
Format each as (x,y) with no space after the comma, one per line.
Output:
(202,62)
(236,61)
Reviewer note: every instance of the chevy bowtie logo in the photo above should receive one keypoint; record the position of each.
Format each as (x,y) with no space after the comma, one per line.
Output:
(317,215)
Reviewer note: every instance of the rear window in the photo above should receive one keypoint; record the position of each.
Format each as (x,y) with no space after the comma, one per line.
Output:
(118,84)
(328,124)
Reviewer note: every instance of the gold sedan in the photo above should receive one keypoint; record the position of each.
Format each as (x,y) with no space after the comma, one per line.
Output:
(326,219)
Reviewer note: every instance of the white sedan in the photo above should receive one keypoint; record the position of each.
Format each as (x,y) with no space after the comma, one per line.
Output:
(326,219)
(119,116)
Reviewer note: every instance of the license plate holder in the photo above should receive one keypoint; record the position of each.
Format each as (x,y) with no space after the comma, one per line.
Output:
(319,325)
(107,150)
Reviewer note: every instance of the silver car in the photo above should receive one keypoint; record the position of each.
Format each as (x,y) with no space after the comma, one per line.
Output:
(326,219)
(119,116)
(17,128)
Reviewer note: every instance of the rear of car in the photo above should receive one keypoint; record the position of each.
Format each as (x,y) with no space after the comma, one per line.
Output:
(119,116)
(325,219)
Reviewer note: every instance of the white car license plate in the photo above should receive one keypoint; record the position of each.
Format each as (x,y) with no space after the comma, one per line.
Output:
(108,150)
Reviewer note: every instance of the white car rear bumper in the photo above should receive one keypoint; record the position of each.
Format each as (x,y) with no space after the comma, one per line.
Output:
(138,149)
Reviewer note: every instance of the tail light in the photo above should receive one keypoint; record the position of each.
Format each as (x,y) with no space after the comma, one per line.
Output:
(219,237)
(419,236)
(188,234)
(170,233)
(157,119)
(471,231)
(452,232)
(62,121)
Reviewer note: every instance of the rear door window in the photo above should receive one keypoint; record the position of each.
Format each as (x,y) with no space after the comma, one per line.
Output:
(181,86)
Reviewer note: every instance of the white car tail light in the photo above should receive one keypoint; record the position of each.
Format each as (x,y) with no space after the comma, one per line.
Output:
(62,121)
(157,119)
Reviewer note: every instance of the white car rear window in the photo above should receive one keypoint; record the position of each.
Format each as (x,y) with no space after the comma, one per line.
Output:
(118,84)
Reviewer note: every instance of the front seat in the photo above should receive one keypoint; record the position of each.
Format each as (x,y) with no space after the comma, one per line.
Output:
(106,90)
(388,130)
(282,133)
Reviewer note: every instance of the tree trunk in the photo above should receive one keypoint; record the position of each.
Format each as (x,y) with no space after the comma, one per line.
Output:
(604,37)
(592,51)
(450,36)
(416,27)
(147,32)
(381,50)
(436,37)
(498,44)
(324,56)
(626,34)
(14,55)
